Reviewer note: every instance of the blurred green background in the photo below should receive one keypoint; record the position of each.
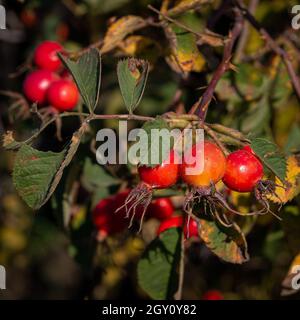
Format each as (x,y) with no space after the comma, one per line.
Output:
(43,259)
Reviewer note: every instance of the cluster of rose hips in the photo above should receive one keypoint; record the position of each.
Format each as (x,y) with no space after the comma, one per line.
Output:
(241,171)
(109,220)
(50,83)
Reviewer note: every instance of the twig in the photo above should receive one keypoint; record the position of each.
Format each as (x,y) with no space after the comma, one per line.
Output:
(119,117)
(25,66)
(213,135)
(201,106)
(209,37)
(245,33)
(273,45)
(178,294)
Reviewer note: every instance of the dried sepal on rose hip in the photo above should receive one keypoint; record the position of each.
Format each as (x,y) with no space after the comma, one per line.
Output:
(212,165)
(245,172)
(161,176)
(109,222)
(203,173)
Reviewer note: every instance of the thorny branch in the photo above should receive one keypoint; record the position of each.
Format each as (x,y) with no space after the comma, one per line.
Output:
(201,106)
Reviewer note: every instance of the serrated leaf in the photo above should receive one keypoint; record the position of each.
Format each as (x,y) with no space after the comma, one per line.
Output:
(288,191)
(36,173)
(132,76)
(157,266)
(94,177)
(257,117)
(269,154)
(119,30)
(86,72)
(148,147)
(293,141)
(228,243)
(185,55)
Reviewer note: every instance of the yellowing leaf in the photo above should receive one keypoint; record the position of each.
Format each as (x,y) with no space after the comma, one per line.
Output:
(228,243)
(185,55)
(182,6)
(141,47)
(293,188)
(119,30)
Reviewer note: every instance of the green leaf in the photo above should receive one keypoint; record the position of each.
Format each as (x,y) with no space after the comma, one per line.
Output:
(164,144)
(99,194)
(257,118)
(132,76)
(228,243)
(185,55)
(34,172)
(293,141)
(269,154)
(87,75)
(94,176)
(157,267)
(120,29)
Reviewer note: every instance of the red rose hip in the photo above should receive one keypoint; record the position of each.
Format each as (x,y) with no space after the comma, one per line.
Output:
(161,208)
(172,222)
(211,161)
(243,171)
(36,85)
(45,55)
(161,176)
(63,95)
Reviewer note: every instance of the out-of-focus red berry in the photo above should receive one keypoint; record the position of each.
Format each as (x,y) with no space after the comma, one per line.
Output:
(161,208)
(45,55)
(36,85)
(213,295)
(63,95)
